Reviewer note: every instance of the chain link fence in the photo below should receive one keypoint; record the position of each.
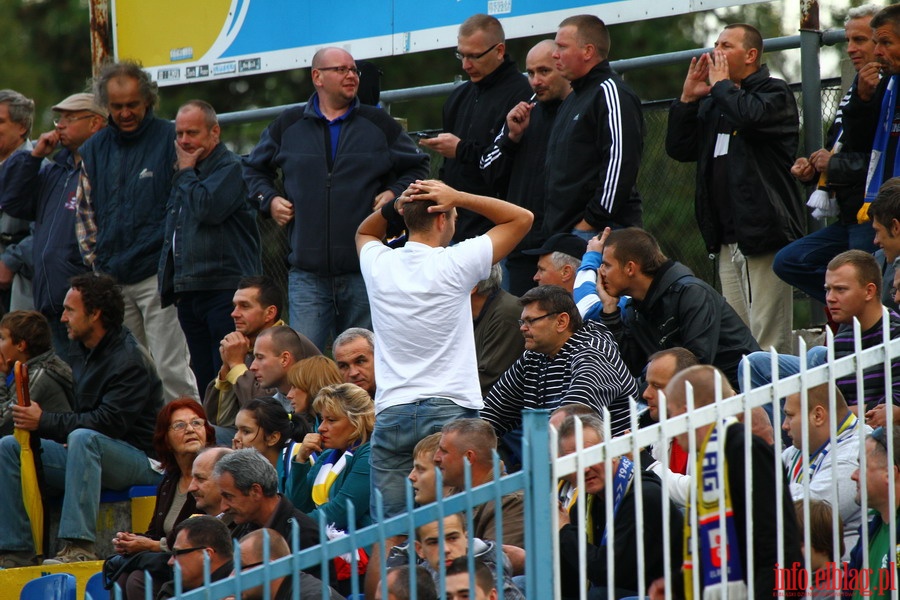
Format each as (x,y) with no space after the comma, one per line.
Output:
(667,188)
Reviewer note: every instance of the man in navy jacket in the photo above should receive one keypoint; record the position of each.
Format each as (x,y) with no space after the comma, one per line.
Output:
(340,160)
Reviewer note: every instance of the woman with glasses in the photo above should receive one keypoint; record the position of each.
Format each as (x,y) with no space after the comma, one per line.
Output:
(264,424)
(182,431)
(332,466)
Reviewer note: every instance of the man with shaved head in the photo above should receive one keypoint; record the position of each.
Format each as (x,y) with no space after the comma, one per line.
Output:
(821,470)
(341,160)
(519,153)
(730,434)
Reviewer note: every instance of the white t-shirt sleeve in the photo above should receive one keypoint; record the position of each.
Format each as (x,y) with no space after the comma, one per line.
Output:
(469,262)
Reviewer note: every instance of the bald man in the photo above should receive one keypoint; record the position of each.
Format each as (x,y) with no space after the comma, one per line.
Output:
(519,153)
(822,447)
(341,161)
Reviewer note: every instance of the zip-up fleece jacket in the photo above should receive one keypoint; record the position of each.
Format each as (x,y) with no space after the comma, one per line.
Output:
(594,154)
(331,197)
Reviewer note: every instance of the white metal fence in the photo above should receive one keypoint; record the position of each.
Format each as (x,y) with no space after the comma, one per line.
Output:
(542,469)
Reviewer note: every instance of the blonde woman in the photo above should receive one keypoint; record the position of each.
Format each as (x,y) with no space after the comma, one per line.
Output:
(332,466)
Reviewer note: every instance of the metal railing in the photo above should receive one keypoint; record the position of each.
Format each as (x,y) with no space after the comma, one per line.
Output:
(542,468)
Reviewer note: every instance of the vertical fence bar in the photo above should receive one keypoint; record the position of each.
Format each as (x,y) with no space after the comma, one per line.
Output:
(538,504)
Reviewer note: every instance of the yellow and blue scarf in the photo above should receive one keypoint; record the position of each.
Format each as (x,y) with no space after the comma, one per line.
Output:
(332,464)
(711,539)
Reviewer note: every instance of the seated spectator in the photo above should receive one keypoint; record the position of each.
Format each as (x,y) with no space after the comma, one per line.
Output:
(277,349)
(25,337)
(354,353)
(252,554)
(332,466)
(458,581)
(248,483)
(207,495)
(474,440)
(106,438)
(822,471)
(669,306)
(264,425)
(660,369)
(307,377)
(181,433)
(197,538)
(560,258)
(763,509)
(495,317)
(432,549)
(397,585)
(853,291)
(422,477)
(257,306)
(822,555)
(566,361)
(881,480)
(625,579)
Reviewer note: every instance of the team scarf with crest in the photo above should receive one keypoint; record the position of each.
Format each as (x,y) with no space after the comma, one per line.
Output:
(711,541)
(882,136)
(332,464)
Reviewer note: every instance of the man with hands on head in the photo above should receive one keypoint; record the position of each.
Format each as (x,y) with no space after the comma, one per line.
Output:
(741,127)
(43,191)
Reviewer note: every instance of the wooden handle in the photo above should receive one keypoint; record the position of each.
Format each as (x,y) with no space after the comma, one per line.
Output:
(23,396)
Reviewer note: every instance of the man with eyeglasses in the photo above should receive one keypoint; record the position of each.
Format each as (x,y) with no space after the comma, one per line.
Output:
(39,189)
(880,476)
(566,361)
(120,212)
(341,161)
(199,537)
(474,114)
(104,442)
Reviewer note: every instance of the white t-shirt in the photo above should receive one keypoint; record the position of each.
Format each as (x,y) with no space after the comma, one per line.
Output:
(422,316)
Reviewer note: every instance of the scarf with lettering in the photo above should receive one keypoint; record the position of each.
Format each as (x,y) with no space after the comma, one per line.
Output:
(711,540)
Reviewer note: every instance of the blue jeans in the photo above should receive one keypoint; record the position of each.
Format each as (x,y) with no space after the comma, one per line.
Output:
(205,318)
(803,262)
(397,431)
(788,364)
(91,461)
(321,307)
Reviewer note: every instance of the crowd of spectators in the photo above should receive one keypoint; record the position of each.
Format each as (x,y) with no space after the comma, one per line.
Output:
(150,335)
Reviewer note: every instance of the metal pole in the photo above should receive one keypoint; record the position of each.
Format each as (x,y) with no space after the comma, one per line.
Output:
(810,74)
(101,35)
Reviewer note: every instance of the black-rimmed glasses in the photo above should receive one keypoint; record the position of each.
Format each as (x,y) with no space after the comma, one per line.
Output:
(342,70)
(531,321)
(474,57)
